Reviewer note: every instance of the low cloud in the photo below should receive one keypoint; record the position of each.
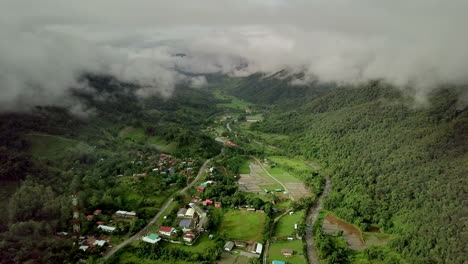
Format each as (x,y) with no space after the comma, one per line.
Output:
(45,46)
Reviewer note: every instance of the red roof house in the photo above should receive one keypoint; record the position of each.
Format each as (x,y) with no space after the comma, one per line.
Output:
(100,222)
(207,202)
(97,212)
(166,230)
(90,217)
(201,188)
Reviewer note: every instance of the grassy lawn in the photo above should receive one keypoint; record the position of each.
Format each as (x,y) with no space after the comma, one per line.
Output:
(135,134)
(242,225)
(274,252)
(282,175)
(235,103)
(244,168)
(202,244)
(50,146)
(130,258)
(227,258)
(285,226)
(294,164)
(257,117)
(163,145)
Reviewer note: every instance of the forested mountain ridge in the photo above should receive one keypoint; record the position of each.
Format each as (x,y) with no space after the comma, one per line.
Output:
(396,165)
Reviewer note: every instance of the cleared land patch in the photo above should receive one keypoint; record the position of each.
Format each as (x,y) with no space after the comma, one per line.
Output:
(274,252)
(253,181)
(285,226)
(295,186)
(243,225)
(352,235)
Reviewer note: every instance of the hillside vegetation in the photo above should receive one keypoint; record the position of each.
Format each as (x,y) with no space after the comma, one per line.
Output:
(394,164)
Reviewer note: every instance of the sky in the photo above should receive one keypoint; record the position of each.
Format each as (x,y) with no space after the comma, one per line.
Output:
(46,45)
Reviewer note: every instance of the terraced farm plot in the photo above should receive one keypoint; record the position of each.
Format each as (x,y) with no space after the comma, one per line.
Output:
(243,225)
(295,186)
(253,181)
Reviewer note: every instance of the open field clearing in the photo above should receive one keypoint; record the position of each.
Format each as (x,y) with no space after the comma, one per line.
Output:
(227,258)
(253,181)
(352,235)
(243,225)
(285,226)
(50,146)
(274,252)
(202,244)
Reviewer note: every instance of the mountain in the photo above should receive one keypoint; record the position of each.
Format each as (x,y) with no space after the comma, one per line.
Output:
(394,164)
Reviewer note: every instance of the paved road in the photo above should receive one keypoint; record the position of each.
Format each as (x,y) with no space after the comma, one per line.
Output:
(155,218)
(312,256)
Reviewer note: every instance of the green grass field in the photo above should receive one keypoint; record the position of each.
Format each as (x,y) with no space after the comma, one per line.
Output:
(274,252)
(294,164)
(202,244)
(242,225)
(50,146)
(163,145)
(285,226)
(235,103)
(282,175)
(135,134)
(227,258)
(257,117)
(131,258)
(244,168)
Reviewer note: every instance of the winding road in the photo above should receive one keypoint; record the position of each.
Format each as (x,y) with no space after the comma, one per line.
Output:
(312,256)
(160,212)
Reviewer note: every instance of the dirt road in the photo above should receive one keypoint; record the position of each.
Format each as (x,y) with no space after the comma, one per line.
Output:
(312,256)
(155,218)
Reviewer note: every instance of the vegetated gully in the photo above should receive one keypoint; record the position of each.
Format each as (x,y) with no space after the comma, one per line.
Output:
(312,215)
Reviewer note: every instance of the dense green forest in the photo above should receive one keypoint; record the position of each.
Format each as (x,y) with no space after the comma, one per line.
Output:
(53,153)
(394,164)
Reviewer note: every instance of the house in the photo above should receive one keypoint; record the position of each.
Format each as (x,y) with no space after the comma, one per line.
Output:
(125,214)
(295,226)
(278,262)
(212,169)
(97,212)
(287,252)
(99,243)
(181,212)
(84,248)
(90,217)
(259,248)
(189,236)
(152,238)
(190,213)
(207,202)
(106,228)
(166,230)
(201,188)
(251,209)
(217,204)
(229,246)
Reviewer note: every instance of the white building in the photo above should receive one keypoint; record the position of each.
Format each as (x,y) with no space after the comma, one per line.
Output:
(190,213)
(99,243)
(106,228)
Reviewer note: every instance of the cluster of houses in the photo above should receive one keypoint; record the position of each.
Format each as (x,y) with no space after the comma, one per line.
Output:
(92,243)
(191,219)
(254,248)
(202,187)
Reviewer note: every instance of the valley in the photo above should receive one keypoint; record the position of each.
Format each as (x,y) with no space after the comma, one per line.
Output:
(211,179)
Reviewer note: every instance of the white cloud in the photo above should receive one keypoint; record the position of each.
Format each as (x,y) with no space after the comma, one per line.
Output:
(45,45)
